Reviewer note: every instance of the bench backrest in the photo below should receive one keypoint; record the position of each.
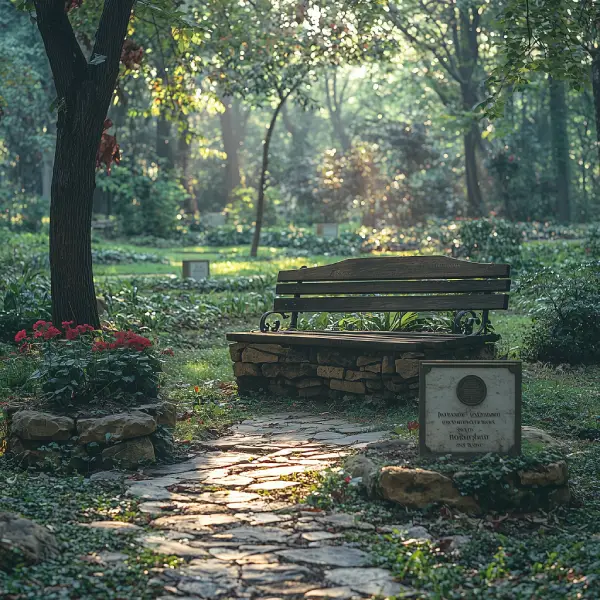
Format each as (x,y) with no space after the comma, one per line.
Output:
(413,283)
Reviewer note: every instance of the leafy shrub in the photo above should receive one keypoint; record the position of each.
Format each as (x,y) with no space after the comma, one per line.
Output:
(591,243)
(17,250)
(145,201)
(566,315)
(113,256)
(24,298)
(24,212)
(347,243)
(175,312)
(117,256)
(489,240)
(385,321)
(79,364)
(246,283)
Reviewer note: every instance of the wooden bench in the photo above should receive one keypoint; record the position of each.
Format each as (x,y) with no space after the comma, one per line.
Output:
(392,284)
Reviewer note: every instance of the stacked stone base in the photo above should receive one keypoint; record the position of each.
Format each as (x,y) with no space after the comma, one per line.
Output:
(86,444)
(319,372)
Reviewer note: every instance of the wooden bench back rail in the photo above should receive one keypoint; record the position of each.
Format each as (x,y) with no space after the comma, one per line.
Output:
(422,283)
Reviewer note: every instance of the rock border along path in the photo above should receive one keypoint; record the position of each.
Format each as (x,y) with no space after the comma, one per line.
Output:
(238,543)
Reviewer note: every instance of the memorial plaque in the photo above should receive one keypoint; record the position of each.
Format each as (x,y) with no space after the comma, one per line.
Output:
(196,269)
(214,219)
(327,230)
(470,407)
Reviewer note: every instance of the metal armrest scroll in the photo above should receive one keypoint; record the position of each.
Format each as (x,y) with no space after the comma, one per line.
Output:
(275,326)
(465,322)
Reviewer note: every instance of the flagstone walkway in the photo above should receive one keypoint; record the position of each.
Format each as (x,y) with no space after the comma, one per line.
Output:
(212,510)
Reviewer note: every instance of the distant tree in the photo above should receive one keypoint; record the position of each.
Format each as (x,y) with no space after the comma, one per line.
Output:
(448,36)
(558,37)
(560,148)
(272,53)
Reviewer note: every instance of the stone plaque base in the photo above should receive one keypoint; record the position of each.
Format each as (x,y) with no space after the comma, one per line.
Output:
(327,230)
(470,407)
(196,269)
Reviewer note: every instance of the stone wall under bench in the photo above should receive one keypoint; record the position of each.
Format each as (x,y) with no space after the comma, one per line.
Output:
(312,372)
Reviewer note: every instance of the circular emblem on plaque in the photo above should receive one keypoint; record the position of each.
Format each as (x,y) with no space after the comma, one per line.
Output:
(471,390)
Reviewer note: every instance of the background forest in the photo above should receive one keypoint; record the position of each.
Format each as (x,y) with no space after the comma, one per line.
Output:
(386,137)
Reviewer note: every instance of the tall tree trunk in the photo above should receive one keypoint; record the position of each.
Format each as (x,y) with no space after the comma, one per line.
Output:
(184,151)
(47,168)
(474,200)
(163,140)
(471,142)
(560,148)
(262,186)
(84,91)
(596,88)
(73,186)
(334,102)
(231,144)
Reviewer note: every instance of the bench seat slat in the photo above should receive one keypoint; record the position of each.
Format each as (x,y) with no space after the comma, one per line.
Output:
(390,287)
(393,303)
(359,340)
(397,267)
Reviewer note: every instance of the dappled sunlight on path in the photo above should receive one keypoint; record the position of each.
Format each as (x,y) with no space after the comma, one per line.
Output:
(216,511)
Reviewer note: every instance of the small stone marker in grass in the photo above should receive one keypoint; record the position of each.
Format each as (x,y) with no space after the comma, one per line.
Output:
(196,269)
(327,230)
(214,219)
(470,408)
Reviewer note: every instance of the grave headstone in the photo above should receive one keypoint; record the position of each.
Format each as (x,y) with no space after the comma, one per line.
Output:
(327,230)
(470,407)
(196,269)
(214,219)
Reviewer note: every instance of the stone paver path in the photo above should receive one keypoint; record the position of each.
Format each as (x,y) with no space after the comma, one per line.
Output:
(239,543)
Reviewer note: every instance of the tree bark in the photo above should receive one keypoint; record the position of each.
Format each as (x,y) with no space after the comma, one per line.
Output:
(596,89)
(84,91)
(334,101)
(184,151)
(560,148)
(47,168)
(231,145)
(474,199)
(262,186)
(163,141)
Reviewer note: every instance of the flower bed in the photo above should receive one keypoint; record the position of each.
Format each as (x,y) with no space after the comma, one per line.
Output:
(97,404)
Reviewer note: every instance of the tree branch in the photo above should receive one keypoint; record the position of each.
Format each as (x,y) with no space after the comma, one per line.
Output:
(109,43)
(64,54)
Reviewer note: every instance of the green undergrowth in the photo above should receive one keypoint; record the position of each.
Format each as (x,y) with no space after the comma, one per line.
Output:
(549,566)
(60,504)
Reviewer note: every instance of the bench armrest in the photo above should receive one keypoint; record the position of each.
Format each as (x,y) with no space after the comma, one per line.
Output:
(276,325)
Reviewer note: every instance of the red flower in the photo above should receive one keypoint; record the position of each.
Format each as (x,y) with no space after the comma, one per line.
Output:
(51,333)
(24,348)
(71,334)
(39,324)
(196,389)
(348,479)
(413,425)
(22,335)
(123,339)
